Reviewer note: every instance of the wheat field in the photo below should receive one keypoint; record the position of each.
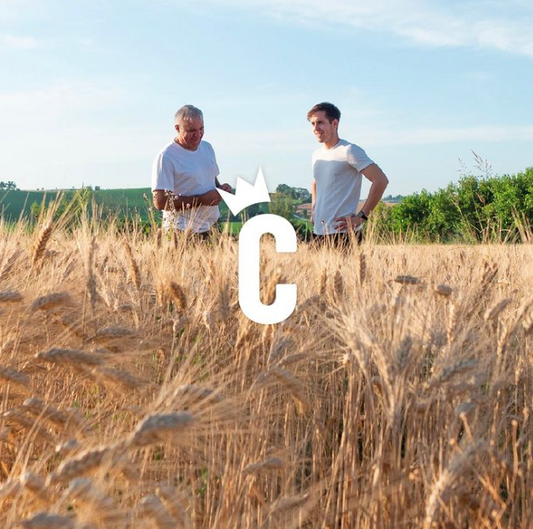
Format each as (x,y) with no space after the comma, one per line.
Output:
(135,394)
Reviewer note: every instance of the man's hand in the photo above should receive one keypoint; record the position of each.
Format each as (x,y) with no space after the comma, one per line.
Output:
(226,187)
(351,222)
(210,198)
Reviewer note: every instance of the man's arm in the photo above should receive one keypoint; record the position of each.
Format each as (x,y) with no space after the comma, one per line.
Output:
(379,183)
(162,200)
(224,187)
(313,199)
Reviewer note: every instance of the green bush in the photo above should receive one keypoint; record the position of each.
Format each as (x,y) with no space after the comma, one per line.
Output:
(475,209)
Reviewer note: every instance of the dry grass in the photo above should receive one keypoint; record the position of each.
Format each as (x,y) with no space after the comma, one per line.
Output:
(135,394)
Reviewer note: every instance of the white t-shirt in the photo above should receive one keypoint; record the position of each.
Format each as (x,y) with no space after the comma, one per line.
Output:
(187,173)
(337,173)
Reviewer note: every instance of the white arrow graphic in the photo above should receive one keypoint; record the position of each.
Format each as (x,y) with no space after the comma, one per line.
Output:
(246,194)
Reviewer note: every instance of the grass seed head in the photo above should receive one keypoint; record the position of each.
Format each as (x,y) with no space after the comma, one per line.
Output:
(152,507)
(82,464)
(70,357)
(189,395)
(113,333)
(493,312)
(51,301)
(40,243)
(44,520)
(160,428)
(119,377)
(178,294)
(270,463)
(289,503)
(16,377)
(8,265)
(362,268)
(135,272)
(444,290)
(407,280)
(10,296)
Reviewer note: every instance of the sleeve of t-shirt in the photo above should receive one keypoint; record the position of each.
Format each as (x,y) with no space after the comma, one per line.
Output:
(217,170)
(163,173)
(358,158)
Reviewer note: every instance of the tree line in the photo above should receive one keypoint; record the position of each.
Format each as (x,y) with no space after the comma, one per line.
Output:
(8,185)
(475,209)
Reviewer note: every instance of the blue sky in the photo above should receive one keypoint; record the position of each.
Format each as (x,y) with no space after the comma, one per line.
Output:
(89,88)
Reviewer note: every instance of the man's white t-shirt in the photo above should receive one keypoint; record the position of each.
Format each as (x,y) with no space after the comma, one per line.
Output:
(187,173)
(337,173)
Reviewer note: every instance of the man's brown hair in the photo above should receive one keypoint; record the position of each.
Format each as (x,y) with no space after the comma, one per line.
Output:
(332,112)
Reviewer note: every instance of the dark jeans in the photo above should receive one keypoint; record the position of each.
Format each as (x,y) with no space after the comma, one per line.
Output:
(338,240)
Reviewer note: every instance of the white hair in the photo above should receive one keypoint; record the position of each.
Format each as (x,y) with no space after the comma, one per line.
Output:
(186,113)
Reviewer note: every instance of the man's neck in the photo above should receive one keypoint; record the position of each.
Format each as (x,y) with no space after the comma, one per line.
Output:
(176,140)
(330,144)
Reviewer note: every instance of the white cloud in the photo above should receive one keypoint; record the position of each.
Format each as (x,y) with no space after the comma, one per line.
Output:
(499,24)
(300,139)
(15,42)
(55,103)
(428,136)
(66,123)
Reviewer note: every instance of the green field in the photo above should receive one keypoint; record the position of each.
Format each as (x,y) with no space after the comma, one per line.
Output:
(17,204)
(115,202)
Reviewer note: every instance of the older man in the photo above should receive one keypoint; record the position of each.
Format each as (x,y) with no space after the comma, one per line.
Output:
(184,176)
(338,170)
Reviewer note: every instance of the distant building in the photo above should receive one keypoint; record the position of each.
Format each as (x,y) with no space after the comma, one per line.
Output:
(304,210)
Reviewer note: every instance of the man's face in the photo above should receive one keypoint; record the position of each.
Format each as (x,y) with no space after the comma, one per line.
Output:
(190,133)
(324,130)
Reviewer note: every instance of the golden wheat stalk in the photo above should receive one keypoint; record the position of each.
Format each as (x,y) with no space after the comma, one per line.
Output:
(362,268)
(270,463)
(338,286)
(174,505)
(104,509)
(121,378)
(442,490)
(14,376)
(289,504)
(444,290)
(44,520)
(178,294)
(152,507)
(36,485)
(135,272)
(113,333)
(71,357)
(40,243)
(407,280)
(37,407)
(91,278)
(51,301)
(495,310)
(87,462)
(193,395)
(21,419)
(8,265)
(295,387)
(160,428)
(10,296)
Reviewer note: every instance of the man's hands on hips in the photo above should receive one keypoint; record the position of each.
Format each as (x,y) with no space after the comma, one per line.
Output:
(348,223)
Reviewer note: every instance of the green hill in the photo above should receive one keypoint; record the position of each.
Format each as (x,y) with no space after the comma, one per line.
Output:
(14,204)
